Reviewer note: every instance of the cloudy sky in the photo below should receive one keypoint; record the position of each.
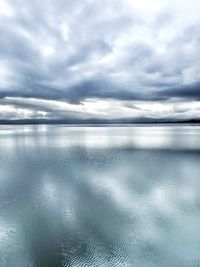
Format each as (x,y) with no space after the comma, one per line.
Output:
(99,59)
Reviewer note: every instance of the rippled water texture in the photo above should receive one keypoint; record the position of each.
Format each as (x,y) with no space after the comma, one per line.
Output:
(99,196)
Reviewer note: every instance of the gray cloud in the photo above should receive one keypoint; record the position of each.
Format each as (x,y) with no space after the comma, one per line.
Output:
(190,92)
(72,51)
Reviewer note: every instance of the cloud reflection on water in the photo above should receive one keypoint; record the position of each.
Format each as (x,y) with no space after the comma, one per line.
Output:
(108,196)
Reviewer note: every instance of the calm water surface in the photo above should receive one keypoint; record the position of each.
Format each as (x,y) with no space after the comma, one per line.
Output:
(99,196)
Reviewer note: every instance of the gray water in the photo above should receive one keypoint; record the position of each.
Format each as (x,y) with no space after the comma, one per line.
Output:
(99,196)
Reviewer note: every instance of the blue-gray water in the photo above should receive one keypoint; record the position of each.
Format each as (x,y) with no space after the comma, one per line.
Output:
(99,196)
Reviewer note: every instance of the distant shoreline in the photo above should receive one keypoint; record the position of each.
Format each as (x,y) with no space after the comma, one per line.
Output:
(97,122)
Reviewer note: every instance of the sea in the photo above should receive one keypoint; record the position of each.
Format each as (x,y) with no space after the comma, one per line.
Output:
(100,195)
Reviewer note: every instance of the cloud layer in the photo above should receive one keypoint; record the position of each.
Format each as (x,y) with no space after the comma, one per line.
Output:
(99,59)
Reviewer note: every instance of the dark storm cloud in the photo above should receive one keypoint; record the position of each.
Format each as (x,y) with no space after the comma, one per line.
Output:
(191,92)
(77,93)
(72,51)
(100,89)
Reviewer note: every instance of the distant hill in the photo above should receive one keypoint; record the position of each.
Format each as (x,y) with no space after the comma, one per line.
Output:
(101,121)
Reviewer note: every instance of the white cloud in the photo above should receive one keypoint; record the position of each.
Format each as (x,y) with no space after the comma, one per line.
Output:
(5,9)
(24,108)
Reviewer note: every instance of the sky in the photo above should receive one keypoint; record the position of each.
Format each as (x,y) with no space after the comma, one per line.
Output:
(99,59)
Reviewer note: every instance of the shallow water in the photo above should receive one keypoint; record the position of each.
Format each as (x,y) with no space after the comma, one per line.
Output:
(99,196)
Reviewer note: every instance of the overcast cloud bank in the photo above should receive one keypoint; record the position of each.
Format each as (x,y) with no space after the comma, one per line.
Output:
(99,59)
